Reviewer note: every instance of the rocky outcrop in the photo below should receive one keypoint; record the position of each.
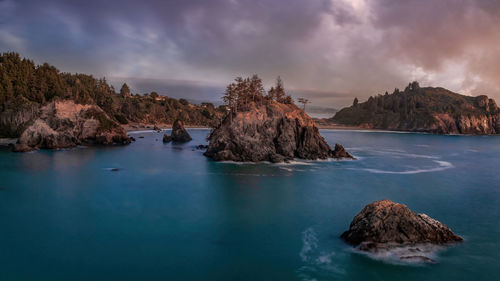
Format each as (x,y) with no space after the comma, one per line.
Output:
(432,110)
(384,224)
(271,131)
(63,124)
(179,134)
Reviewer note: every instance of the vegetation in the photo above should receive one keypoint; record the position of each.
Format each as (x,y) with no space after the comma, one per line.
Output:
(243,92)
(25,86)
(414,107)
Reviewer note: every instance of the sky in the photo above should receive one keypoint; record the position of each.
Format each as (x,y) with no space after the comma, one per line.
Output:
(328,51)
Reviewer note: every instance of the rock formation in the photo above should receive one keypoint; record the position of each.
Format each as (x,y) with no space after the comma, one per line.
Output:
(432,110)
(269,131)
(384,224)
(179,134)
(63,124)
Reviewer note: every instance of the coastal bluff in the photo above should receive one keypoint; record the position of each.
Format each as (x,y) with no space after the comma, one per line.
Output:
(64,124)
(423,109)
(269,131)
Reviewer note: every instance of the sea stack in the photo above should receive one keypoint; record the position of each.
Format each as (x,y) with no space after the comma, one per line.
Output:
(179,134)
(384,225)
(63,124)
(266,128)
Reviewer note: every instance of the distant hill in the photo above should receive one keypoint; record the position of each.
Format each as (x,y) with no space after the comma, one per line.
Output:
(25,88)
(426,109)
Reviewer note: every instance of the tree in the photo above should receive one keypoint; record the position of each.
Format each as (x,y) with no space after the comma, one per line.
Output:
(184,101)
(279,90)
(303,101)
(154,95)
(125,90)
(230,98)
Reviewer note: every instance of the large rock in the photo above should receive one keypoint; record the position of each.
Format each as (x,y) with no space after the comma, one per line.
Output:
(384,222)
(179,134)
(271,131)
(63,124)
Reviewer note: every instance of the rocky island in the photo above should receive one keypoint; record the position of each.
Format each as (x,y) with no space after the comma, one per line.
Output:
(385,225)
(423,109)
(266,127)
(179,134)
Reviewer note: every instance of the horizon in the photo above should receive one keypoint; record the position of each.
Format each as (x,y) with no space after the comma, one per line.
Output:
(327,51)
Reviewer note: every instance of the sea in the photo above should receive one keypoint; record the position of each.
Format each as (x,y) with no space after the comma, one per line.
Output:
(156,211)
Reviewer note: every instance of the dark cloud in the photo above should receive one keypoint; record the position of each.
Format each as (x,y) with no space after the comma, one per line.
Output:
(339,48)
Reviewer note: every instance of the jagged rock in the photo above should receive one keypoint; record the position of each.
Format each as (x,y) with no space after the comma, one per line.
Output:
(179,134)
(270,131)
(340,152)
(63,124)
(156,128)
(201,146)
(384,224)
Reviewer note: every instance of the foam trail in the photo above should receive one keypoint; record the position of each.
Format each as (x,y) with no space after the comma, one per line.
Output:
(443,165)
(406,255)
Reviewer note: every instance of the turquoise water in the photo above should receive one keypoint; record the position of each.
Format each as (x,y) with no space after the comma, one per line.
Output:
(172,214)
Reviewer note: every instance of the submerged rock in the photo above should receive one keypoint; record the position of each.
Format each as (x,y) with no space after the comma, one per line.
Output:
(269,131)
(22,148)
(383,225)
(63,124)
(179,134)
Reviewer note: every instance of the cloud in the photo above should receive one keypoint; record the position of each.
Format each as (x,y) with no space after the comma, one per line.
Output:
(338,49)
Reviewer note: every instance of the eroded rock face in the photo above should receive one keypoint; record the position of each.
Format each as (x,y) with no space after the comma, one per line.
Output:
(179,134)
(64,124)
(432,110)
(273,132)
(384,223)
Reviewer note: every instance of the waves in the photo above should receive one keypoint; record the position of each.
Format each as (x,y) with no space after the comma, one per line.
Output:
(442,165)
(419,254)
(318,264)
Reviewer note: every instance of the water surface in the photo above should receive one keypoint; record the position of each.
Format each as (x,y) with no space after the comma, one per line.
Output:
(171,214)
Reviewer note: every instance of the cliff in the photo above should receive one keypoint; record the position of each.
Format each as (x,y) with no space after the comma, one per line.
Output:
(26,87)
(63,124)
(269,131)
(432,110)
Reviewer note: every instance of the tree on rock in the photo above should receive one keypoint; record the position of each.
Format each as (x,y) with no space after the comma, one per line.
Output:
(125,90)
(303,101)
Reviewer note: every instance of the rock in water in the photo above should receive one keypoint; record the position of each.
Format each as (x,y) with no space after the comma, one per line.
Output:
(63,124)
(179,134)
(270,131)
(384,223)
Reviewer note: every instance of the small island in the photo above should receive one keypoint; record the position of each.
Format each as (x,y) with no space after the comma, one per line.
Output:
(384,226)
(262,126)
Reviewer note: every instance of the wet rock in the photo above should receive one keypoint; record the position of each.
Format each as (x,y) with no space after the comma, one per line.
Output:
(179,134)
(201,147)
(384,223)
(167,138)
(156,128)
(269,131)
(22,148)
(115,170)
(340,152)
